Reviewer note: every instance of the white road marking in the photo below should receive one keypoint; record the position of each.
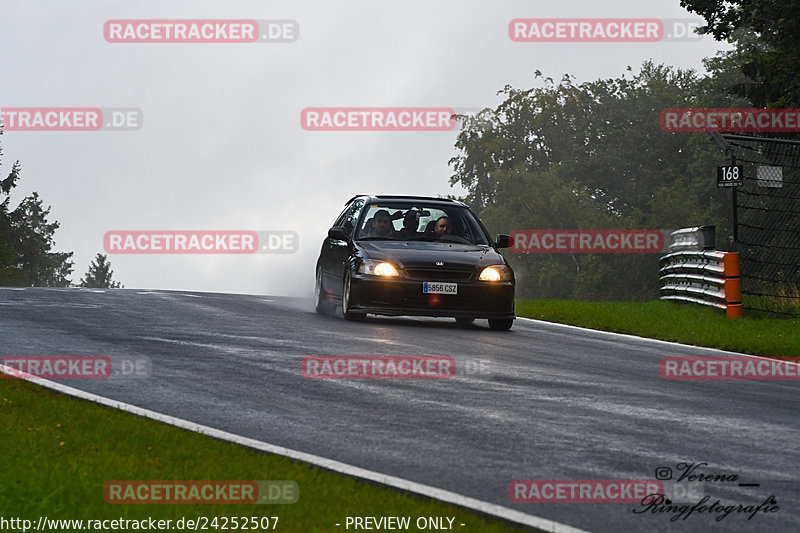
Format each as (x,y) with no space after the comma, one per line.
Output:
(336,466)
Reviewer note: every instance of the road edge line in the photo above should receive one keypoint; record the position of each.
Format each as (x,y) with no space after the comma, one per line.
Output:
(427,491)
(651,339)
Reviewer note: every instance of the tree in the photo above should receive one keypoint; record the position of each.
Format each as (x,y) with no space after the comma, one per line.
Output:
(99,275)
(591,156)
(765,33)
(26,241)
(7,253)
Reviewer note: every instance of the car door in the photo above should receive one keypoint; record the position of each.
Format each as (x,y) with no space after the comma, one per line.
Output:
(337,251)
(326,252)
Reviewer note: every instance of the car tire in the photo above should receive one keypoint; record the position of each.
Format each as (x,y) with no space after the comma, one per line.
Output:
(500,324)
(465,320)
(321,302)
(346,313)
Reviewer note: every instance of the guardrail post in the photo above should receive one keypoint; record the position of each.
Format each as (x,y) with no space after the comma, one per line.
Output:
(733,285)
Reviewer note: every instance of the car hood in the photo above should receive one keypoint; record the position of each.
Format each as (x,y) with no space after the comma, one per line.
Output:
(425,254)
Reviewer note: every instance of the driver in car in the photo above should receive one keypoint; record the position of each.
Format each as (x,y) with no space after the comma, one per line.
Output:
(442,227)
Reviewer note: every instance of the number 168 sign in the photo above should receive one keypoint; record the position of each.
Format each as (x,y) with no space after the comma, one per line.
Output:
(730,176)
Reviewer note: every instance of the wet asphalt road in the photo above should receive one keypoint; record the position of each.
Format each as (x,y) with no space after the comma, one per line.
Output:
(542,401)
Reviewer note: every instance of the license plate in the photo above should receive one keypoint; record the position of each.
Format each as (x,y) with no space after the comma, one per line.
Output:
(434,287)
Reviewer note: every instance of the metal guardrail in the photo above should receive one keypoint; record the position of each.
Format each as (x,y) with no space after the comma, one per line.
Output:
(707,277)
(698,238)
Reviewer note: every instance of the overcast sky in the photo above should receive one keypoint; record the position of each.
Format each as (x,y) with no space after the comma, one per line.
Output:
(222,147)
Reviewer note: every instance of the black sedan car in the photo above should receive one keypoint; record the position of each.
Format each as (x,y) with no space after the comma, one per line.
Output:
(411,255)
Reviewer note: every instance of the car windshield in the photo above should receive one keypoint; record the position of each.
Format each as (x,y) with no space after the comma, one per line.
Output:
(420,222)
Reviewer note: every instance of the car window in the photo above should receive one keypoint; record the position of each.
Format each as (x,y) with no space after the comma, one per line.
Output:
(416,221)
(343,214)
(348,218)
(351,217)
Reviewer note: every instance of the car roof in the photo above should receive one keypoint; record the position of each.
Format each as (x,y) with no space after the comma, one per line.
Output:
(393,197)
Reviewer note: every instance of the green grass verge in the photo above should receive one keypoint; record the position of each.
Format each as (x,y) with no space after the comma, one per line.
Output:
(57,453)
(671,321)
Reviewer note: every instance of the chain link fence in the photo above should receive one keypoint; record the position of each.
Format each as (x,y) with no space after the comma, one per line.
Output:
(768,222)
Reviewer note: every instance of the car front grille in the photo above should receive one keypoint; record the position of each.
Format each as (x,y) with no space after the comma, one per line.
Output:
(438,274)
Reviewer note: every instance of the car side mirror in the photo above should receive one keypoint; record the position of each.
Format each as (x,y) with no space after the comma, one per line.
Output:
(338,233)
(503,241)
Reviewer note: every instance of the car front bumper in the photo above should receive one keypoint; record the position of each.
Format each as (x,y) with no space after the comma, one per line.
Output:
(399,296)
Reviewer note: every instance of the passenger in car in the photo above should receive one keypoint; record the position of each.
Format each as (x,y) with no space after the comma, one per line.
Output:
(369,228)
(381,225)
(410,225)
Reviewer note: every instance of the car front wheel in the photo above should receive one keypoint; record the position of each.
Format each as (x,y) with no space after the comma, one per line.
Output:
(500,324)
(321,302)
(349,315)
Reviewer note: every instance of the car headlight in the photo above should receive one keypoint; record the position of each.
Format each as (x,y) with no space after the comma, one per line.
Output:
(377,268)
(495,273)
